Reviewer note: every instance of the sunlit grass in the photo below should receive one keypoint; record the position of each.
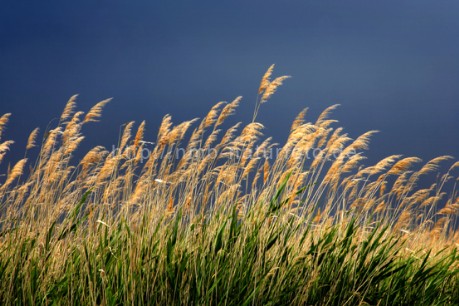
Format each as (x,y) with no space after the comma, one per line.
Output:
(227,221)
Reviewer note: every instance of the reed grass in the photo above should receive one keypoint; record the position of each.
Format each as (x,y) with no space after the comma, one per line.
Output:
(231,225)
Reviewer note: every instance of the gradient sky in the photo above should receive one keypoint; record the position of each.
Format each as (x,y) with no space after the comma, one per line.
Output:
(392,65)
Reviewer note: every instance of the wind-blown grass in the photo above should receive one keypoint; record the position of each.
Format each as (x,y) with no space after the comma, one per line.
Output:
(230,225)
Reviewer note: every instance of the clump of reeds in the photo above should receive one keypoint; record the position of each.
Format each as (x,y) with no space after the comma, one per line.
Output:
(227,221)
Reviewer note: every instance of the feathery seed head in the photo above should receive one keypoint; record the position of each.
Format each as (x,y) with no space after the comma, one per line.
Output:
(96,111)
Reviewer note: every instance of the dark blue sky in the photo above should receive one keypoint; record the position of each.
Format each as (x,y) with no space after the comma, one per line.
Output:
(392,65)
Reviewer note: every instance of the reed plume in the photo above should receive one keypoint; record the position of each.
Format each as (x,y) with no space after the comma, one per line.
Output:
(31,141)
(96,111)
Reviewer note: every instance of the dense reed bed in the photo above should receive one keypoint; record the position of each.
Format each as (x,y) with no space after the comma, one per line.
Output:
(217,214)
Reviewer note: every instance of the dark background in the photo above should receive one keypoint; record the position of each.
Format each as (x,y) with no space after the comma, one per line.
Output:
(393,65)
